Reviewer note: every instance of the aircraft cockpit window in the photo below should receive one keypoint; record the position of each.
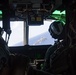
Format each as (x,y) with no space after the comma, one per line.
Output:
(16,38)
(39,35)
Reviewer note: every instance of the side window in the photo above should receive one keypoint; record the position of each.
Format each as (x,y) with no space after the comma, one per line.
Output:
(39,35)
(1,24)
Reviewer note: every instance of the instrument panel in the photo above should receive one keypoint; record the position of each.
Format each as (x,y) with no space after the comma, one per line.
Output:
(22,9)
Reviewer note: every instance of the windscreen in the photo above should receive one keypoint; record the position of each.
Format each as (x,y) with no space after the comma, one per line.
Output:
(39,35)
(16,37)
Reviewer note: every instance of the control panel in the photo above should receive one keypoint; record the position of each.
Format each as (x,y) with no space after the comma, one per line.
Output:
(32,10)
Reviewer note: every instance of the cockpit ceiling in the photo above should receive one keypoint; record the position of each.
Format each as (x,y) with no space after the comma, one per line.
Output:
(18,8)
(38,4)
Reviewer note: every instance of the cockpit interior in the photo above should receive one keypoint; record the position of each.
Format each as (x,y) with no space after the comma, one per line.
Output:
(26,25)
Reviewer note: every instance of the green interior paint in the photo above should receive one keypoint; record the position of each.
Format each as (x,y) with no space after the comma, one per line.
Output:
(58,15)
